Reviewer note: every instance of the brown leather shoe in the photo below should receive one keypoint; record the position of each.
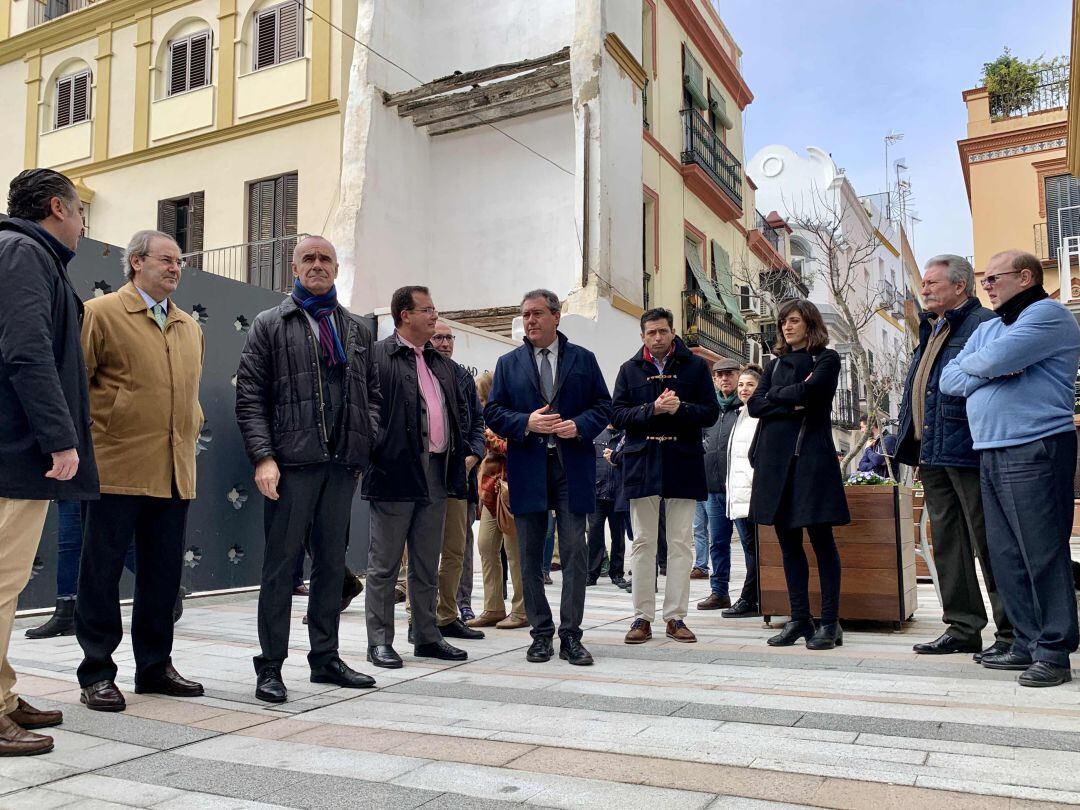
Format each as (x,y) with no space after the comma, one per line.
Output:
(301,590)
(678,631)
(699,573)
(350,589)
(640,632)
(399,595)
(27,717)
(489,618)
(714,602)
(512,622)
(16,741)
(103,696)
(169,682)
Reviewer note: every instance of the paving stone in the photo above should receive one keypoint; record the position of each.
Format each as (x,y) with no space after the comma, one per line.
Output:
(334,792)
(740,714)
(205,776)
(94,786)
(118,726)
(456,801)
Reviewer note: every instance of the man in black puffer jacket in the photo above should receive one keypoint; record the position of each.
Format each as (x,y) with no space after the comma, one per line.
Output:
(307,403)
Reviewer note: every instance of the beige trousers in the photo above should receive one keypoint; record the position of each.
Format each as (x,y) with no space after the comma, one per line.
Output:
(645,519)
(489,540)
(20,527)
(455,530)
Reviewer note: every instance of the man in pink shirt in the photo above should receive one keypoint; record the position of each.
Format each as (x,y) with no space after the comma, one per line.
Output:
(418,461)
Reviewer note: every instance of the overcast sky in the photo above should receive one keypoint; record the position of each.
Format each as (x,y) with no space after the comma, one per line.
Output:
(840,74)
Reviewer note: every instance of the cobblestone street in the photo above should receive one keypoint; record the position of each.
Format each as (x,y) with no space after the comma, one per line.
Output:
(727,722)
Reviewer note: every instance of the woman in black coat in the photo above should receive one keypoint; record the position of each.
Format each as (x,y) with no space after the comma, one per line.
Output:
(797,481)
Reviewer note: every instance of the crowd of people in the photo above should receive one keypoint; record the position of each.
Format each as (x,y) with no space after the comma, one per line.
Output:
(100,412)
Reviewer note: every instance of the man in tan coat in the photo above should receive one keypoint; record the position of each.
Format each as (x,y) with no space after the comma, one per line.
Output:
(144,361)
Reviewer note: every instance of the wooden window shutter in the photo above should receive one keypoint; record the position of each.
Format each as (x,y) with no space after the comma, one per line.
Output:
(290,31)
(178,66)
(80,97)
(266,37)
(195,231)
(166,217)
(63,102)
(1062,191)
(199,61)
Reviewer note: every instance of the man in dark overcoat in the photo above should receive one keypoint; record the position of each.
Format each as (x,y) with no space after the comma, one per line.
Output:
(663,399)
(549,401)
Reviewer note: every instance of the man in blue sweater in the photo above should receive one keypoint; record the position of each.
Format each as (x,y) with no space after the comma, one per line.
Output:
(1018,375)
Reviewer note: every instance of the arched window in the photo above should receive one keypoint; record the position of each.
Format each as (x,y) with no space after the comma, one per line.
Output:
(72,99)
(189,63)
(278,35)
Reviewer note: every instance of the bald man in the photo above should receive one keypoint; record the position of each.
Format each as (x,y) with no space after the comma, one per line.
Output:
(307,403)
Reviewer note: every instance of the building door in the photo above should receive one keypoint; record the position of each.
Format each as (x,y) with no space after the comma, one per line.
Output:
(272,231)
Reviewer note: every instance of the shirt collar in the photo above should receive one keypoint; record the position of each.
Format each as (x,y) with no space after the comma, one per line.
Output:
(553,348)
(404,342)
(150,302)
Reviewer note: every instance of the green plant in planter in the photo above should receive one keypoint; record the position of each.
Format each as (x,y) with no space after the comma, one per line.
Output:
(1013,83)
(868,479)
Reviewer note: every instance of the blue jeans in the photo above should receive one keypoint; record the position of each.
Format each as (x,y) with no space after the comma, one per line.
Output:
(549,543)
(720,528)
(69,543)
(701,537)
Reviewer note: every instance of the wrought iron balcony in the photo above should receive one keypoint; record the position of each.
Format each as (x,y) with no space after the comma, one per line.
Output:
(42,11)
(265,264)
(711,330)
(771,234)
(845,406)
(702,146)
(1051,93)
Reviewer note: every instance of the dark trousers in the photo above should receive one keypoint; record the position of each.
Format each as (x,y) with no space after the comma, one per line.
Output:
(1028,499)
(69,542)
(720,530)
(158,526)
(605,513)
(464,592)
(573,554)
(314,504)
(954,502)
(797,570)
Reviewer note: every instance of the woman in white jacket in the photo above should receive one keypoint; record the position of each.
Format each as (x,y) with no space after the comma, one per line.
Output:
(740,477)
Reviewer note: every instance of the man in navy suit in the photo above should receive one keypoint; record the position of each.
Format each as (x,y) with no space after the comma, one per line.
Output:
(549,401)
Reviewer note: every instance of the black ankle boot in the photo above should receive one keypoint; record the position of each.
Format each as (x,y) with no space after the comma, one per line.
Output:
(792,632)
(61,623)
(826,637)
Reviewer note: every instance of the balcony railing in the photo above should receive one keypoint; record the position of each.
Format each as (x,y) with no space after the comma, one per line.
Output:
(645,105)
(845,408)
(42,11)
(267,263)
(702,146)
(1041,241)
(772,236)
(1051,93)
(1047,236)
(711,330)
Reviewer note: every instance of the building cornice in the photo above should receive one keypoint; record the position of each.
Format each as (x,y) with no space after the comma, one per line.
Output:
(712,50)
(999,146)
(626,60)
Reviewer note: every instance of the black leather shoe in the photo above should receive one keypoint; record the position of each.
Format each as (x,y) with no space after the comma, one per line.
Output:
(946,645)
(1008,660)
(269,686)
(740,610)
(103,696)
(169,682)
(572,651)
(383,655)
(61,623)
(997,648)
(540,651)
(826,637)
(351,588)
(457,629)
(178,605)
(1043,673)
(440,650)
(339,673)
(792,632)
(591,581)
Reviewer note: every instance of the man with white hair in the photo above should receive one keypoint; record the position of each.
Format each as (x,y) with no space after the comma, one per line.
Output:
(144,359)
(934,435)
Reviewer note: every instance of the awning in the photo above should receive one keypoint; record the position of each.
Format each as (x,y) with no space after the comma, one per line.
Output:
(712,296)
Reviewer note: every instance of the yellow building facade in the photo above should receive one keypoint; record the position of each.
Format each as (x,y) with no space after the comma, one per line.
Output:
(705,245)
(1019,187)
(216,120)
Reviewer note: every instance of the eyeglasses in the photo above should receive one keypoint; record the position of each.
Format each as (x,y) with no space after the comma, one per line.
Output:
(990,281)
(424,310)
(168,261)
(439,338)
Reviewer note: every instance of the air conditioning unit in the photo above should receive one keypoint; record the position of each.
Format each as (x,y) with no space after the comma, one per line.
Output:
(750,304)
(753,352)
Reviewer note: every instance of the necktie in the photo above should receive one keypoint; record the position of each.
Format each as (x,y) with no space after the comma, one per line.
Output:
(547,378)
(159,315)
(430,395)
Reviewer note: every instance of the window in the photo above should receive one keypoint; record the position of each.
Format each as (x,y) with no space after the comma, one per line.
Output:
(182,219)
(272,227)
(279,34)
(1062,209)
(189,63)
(693,82)
(72,99)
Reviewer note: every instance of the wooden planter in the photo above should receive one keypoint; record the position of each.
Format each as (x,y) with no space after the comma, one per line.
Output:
(877,556)
(922,570)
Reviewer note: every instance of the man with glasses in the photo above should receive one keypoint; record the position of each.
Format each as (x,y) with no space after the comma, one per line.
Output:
(419,463)
(144,357)
(934,436)
(1018,373)
(457,531)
